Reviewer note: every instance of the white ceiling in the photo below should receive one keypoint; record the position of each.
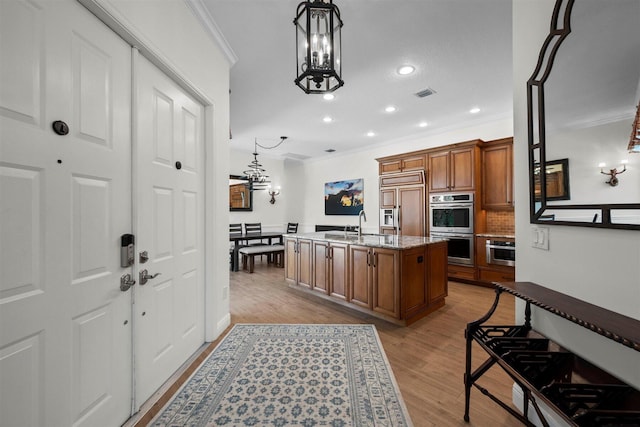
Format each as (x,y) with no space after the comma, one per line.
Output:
(460,48)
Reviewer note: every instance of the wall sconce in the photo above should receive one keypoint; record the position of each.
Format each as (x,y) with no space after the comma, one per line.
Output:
(613,181)
(273,194)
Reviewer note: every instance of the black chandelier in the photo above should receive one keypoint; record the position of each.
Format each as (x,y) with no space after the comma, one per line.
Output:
(318,46)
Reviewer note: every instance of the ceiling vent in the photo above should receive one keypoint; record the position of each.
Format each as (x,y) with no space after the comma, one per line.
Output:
(425,92)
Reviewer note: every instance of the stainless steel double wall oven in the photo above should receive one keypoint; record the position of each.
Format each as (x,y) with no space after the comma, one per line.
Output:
(451,217)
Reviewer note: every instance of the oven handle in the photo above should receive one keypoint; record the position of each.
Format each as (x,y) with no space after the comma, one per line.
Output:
(506,248)
(449,205)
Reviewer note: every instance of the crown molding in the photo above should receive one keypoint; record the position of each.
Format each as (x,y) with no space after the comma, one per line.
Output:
(209,24)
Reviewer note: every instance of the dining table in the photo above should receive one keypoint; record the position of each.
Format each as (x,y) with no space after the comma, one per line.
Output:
(239,238)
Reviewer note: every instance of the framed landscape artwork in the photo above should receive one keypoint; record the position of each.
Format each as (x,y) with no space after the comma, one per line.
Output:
(344,197)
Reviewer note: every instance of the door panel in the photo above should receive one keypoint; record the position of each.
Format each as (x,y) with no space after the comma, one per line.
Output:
(412,207)
(169,309)
(65,326)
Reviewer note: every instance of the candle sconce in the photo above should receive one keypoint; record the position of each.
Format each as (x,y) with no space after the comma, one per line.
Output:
(613,181)
(273,193)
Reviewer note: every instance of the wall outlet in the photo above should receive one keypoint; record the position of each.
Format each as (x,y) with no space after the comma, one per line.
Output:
(540,237)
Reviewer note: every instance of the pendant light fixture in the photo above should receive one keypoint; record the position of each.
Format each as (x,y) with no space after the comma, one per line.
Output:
(318,46)
(256,174)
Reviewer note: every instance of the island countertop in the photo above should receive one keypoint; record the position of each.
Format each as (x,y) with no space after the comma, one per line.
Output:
(372,240)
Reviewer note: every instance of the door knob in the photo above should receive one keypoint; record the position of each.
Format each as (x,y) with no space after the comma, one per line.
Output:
(126,282)
(145,276)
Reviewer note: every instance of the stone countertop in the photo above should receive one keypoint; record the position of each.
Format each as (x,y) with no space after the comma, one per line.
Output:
(496,235)
(373,240)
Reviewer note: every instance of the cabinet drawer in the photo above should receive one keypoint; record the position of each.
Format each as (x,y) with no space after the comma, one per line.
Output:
(462,272)
(488,275)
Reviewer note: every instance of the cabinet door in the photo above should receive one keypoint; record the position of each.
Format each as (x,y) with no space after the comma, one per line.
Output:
(360,276)
(411,206)
(497,191)
(439,171)
(462,168)
(290,259)
(413,163)
(437,270)
(320,277)
(338,270)
(388,198)
(390,166)
(414,280)
(386,282)
(304,262)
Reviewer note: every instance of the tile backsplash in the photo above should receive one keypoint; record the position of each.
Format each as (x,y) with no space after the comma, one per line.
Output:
(501,222)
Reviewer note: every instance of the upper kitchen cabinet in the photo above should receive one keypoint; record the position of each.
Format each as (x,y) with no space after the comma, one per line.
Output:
(401,163)
(453,168)
(497,174)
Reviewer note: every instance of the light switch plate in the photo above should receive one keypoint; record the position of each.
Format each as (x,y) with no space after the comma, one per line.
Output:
(540,237)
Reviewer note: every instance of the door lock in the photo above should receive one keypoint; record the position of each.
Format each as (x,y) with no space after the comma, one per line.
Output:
(144,257)
(126,282)
(145,276)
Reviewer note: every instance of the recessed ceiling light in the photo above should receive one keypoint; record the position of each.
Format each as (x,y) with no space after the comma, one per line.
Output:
(390,109)
(328,96)
(423,124)
(330,150)
(474,110)
(371,133)
(327,119)
(406,69)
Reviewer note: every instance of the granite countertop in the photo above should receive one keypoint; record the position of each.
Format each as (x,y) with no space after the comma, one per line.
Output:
(373,240)
(496,235)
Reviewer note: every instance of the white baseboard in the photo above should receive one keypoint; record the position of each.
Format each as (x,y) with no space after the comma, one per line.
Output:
(223,324)
(552,418)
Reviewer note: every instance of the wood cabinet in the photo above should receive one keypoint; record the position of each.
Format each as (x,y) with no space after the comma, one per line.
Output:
(488,273)
(374,281)
(404,163)
(398,285)
(298,261)
(453,169)
(405,194)
(497,174)
(320,272)
(330,268)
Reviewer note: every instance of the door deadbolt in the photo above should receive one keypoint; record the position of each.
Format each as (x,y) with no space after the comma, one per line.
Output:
(126,282)
(60,127)
(145,276)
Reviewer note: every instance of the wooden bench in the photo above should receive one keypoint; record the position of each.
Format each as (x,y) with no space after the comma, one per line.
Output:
(249,253)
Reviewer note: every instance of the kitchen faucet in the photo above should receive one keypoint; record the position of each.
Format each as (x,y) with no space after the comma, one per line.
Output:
(360,216)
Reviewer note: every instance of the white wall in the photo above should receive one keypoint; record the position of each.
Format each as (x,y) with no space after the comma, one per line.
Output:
(171,31)
(599,266)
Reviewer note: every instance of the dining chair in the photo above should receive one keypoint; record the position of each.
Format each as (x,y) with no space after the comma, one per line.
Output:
(234,229)
(292,227)
(254,228)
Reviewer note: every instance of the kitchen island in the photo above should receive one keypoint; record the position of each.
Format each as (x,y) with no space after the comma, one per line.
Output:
(398,278)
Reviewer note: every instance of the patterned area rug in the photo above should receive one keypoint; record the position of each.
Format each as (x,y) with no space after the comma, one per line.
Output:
(291,375)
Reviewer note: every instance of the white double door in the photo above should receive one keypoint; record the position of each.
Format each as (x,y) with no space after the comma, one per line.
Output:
(69,336)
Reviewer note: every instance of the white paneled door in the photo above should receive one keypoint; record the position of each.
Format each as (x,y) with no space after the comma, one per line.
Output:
(65,200)
(169,308)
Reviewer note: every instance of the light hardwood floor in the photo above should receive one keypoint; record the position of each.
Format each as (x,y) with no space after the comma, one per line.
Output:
(427,358)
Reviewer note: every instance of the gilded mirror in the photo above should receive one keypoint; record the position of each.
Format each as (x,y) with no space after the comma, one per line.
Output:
(581,102)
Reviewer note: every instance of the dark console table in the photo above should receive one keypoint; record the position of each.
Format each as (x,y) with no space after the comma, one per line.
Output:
(579,392)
